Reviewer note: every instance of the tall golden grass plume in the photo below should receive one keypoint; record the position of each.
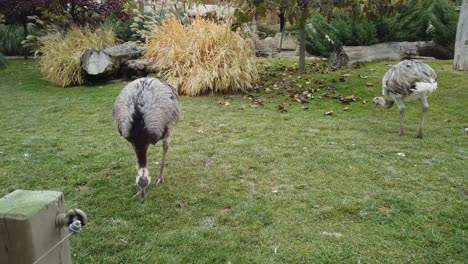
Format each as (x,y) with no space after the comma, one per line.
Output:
(203,57)
(61,56)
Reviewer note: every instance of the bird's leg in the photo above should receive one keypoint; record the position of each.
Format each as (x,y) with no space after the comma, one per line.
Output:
(425,107)
(401,106)
(160,178)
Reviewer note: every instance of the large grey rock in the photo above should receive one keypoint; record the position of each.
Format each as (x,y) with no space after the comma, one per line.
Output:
(114,61)
(138,68)
(266,47)
(289,41)
(270,46)
(125,51)
(388,50)
(338,58)
(96,62)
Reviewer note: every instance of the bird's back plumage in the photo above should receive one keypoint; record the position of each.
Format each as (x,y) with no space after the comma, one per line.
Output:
(146,108)
(409,79)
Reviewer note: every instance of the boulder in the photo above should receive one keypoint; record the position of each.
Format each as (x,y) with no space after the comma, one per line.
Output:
(267,47)
(96,62)
(396,51)
(338,59)
(435,50)
(289,41)
(114,62)
(125,51)
(134,68)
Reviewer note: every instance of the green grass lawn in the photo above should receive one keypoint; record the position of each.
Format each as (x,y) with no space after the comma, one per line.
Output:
(258,185)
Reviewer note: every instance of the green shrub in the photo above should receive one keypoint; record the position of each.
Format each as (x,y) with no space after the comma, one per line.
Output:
(143,24)
(203,57)
(418,20)
(343,25)
(421,20)
(410,24)
(122,28)
(11,37)
(354,33)
(3,61)
(321,37)
(61,54)
(444,19)
(364,33)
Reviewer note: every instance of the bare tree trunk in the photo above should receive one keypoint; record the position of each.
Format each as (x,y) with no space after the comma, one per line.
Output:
(460,60)
(304,5)
(302,52)
(282,26)
(281,42)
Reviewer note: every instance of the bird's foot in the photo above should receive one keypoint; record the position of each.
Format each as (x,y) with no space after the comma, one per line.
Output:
(159,180)
(401,133)
(420,136)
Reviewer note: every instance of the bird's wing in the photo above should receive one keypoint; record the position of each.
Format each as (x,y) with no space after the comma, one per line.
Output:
(124,109)
(402,78)
(160,107)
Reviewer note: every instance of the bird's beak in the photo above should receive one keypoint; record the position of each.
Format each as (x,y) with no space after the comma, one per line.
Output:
(142,196)
(375,105)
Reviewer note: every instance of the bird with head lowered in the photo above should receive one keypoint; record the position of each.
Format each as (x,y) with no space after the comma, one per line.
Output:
(408,80)
(146,112)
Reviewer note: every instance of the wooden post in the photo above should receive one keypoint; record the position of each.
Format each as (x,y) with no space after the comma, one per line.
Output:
(28,230)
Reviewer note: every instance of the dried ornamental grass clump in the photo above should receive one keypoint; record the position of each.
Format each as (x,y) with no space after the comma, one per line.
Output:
(61,54)
(201,58)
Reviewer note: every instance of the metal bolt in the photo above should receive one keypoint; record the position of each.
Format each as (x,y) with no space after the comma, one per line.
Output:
(75,227)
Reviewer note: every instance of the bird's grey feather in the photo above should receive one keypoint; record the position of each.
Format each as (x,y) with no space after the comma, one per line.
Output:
(152,100)
(401,79)
(407,80)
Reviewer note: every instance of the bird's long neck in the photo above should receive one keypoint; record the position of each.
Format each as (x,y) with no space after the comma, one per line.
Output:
(386,103)
(141,154)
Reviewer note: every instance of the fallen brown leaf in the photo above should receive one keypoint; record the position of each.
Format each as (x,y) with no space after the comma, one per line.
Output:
(282,107)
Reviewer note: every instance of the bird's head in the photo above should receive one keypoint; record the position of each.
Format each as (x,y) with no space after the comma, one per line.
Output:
(385,103)
(378,101)
(143,180)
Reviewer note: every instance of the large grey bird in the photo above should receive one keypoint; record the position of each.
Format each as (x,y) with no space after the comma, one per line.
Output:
(145,112)
(408,80)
